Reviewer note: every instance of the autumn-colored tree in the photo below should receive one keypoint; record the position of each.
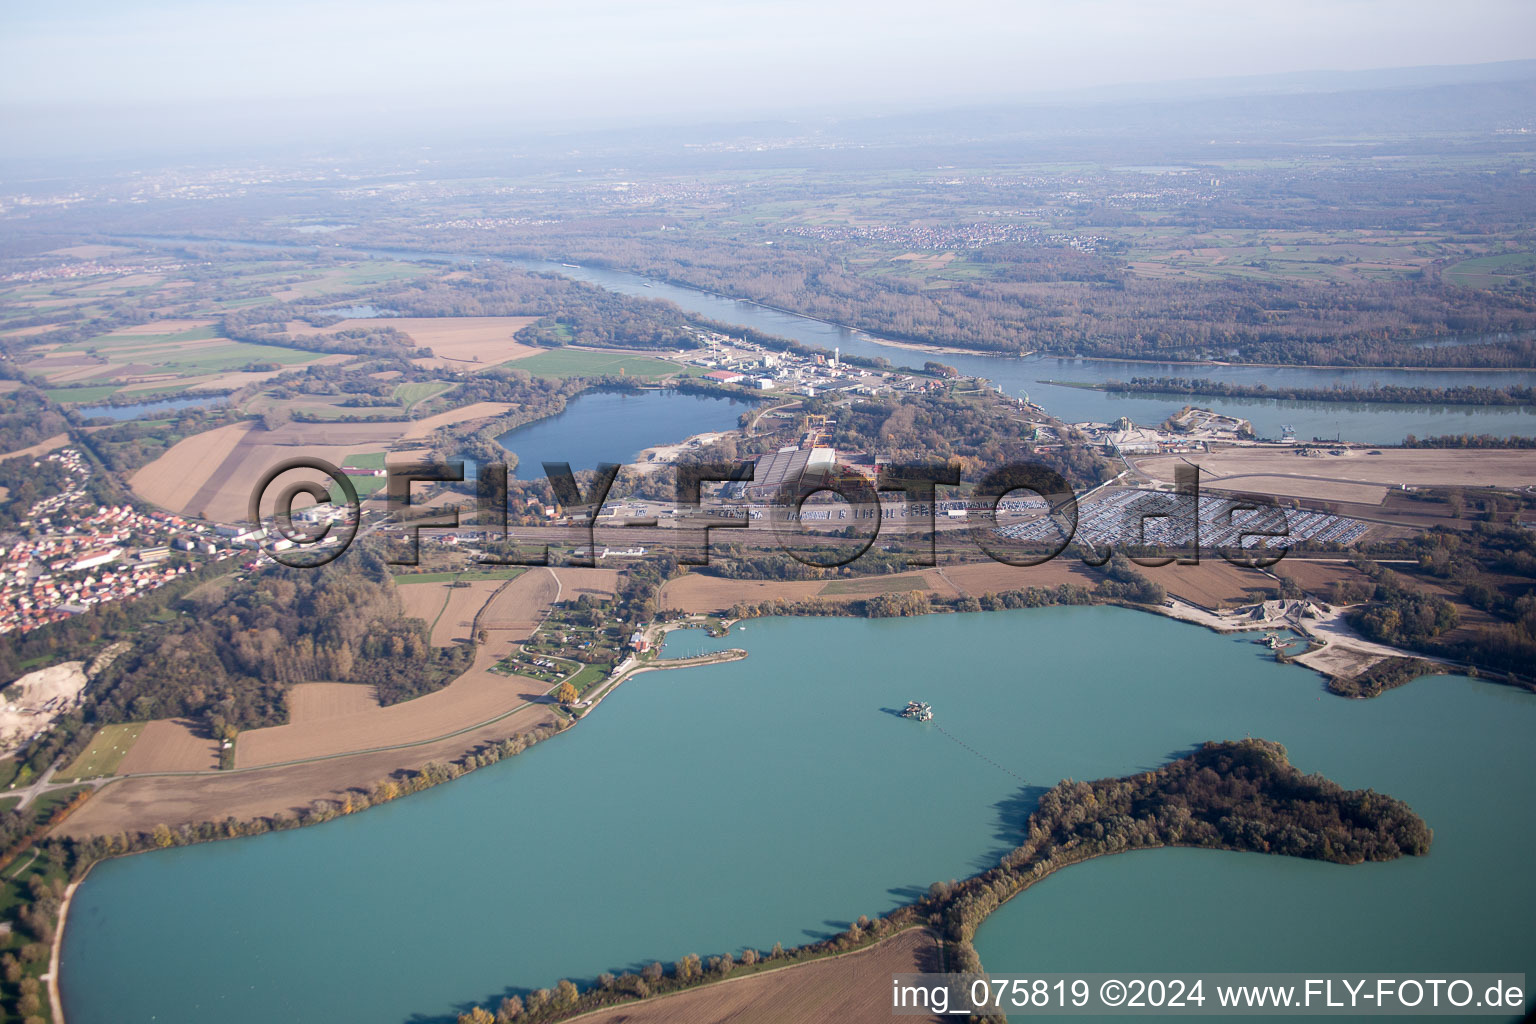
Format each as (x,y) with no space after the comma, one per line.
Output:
(688,968)
(567,692)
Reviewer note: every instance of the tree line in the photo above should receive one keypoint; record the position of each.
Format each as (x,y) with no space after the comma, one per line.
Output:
(1398,394)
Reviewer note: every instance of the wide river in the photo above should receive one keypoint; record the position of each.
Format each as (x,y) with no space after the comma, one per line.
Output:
(1371,423)
(777,798)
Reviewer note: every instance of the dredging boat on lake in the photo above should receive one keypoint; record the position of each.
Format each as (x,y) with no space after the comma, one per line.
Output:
(917,709)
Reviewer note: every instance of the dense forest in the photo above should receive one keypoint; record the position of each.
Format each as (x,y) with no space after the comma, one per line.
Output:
(1513,394)
(1489,565)
(27,417)
(232,655)
(974,432)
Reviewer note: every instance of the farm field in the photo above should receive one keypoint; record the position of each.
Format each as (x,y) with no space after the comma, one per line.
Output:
(210,474)
(170,745)
(41,448)
(575,581)
(105,752)
(696,592)
(571,362)
(1207,583)
(406,579)
(412,394)
(422,428)
(141,804)
(348,277)
(1352,476)
(424,599)
(516,610)
(474,697)
(456,608)
(894,584)
(163,355)
(313,702)
(1210,582)
(1319,576)
(457,342)
(1492,271)
(849,989)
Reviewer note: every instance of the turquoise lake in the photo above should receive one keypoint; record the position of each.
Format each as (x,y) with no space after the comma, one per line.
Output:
(777,798)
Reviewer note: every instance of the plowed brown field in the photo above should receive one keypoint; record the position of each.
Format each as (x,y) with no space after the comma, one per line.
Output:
(170,745)
(850,989)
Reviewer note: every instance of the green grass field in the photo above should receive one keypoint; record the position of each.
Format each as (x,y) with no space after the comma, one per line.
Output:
(160,351)
(365,460)
(469,577)
(325,411)
(570,362)
(1489,271)
(100,392)
(873,585)
(131,342)
(105,752)
(410,394)
(81,396)
(588,675)
(358,275)
(52,800)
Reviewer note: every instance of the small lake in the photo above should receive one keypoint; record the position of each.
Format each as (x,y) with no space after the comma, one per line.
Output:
(143,409)
(615,426)
(779,797)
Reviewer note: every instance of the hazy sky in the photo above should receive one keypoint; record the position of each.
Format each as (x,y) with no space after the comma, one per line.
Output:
(606,59)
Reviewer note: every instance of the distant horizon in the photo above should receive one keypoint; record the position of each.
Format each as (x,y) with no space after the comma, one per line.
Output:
(266,130)
(148,76)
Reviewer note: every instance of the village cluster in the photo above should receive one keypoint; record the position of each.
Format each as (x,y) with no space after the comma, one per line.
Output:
(68,553)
